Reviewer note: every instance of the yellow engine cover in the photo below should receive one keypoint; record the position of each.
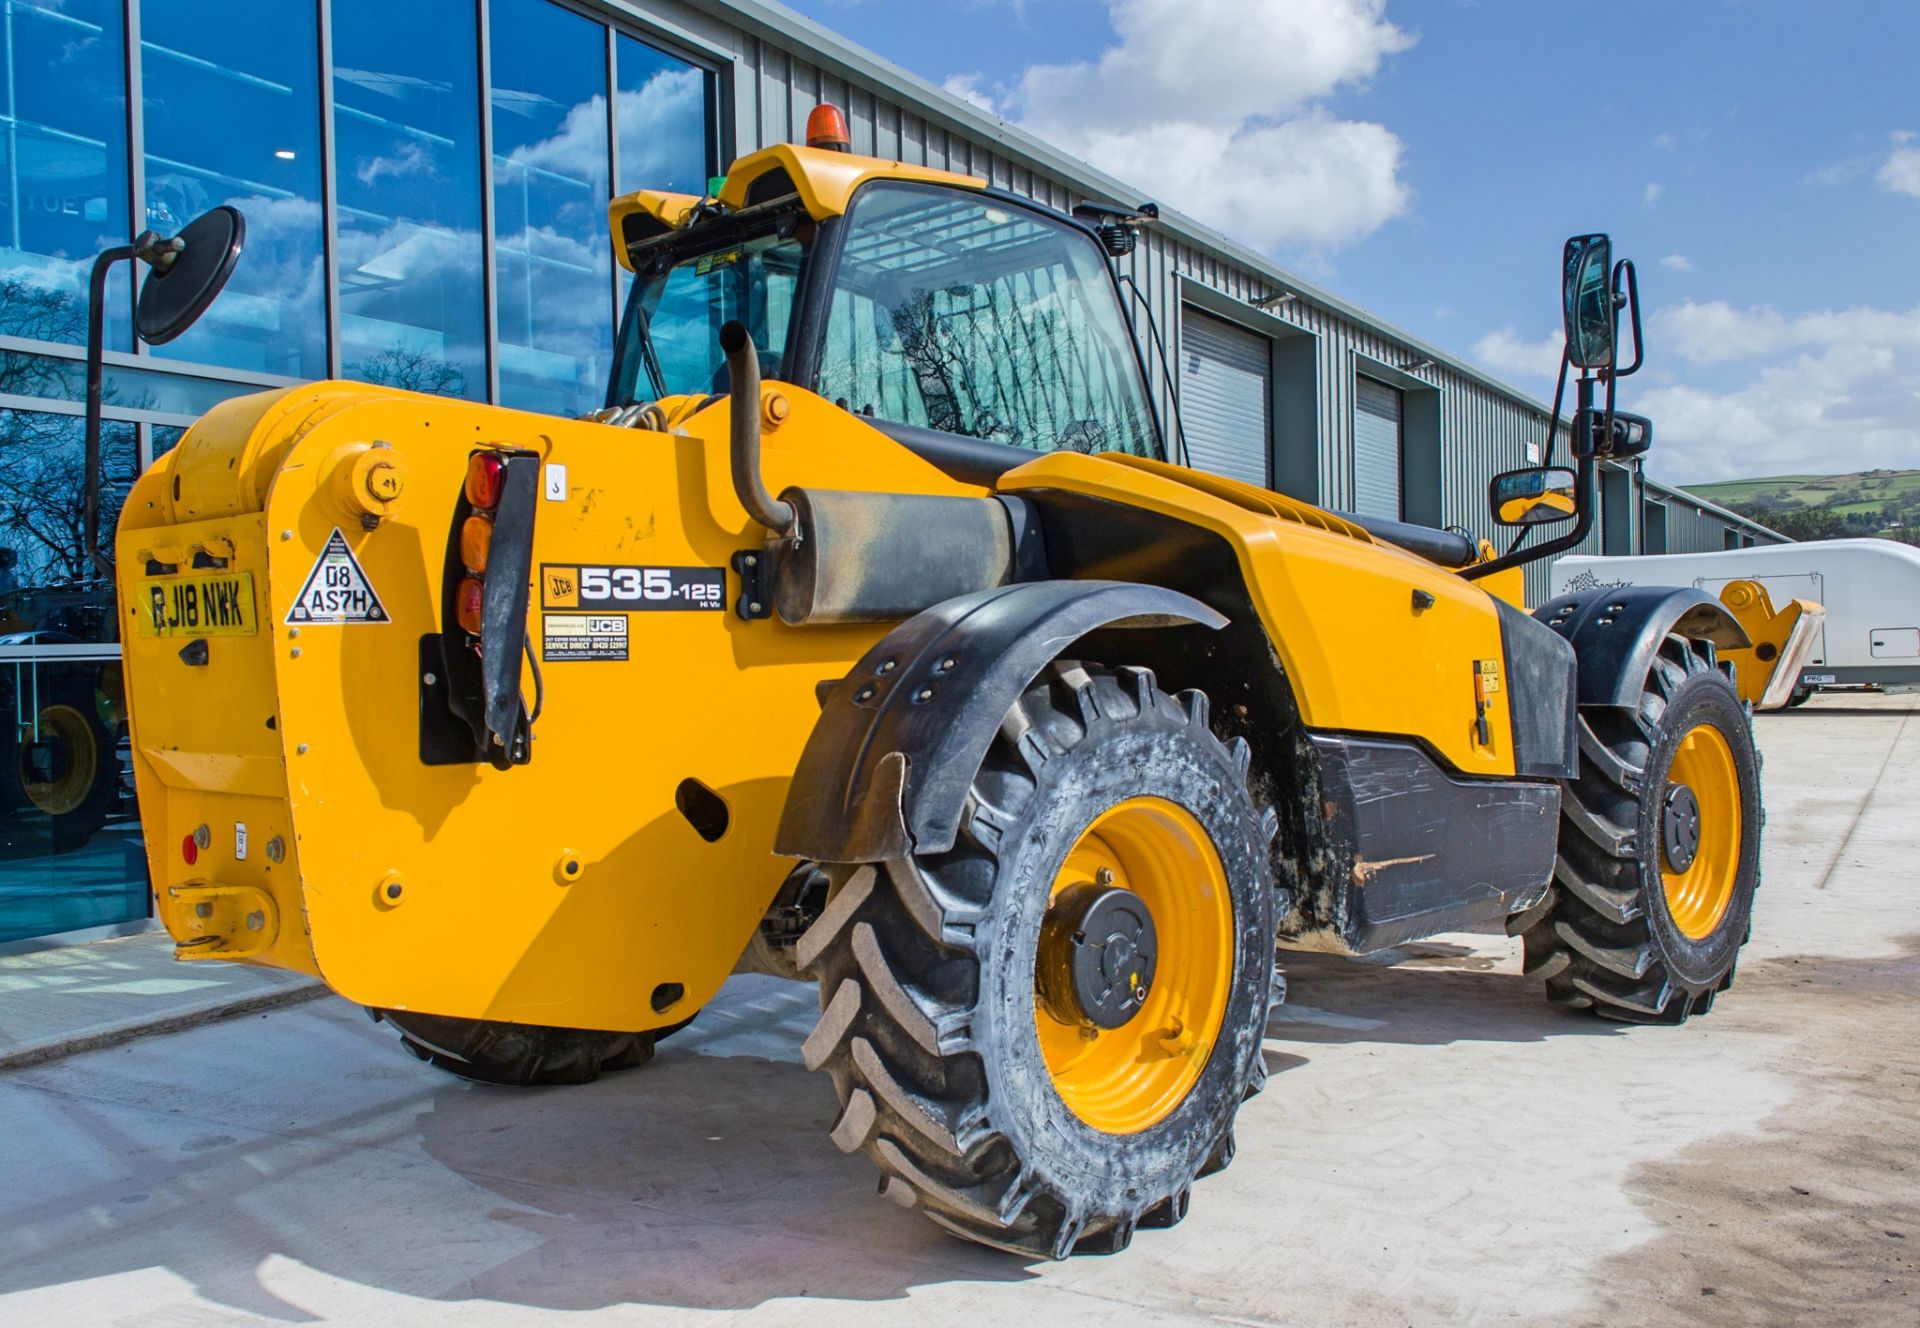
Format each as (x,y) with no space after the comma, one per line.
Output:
(445,888)
(276,731)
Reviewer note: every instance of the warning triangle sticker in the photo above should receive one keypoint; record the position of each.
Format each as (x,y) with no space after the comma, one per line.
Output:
(337,589)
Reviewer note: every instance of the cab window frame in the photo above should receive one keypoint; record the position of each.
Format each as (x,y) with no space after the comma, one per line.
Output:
(822,275)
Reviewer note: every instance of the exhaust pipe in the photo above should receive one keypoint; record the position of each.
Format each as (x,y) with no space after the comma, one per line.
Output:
(743,383)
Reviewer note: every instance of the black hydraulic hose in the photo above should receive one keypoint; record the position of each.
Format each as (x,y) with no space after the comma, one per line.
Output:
(743,385)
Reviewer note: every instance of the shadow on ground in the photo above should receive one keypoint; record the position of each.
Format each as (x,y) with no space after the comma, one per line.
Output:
(704,1180)
(1428,993)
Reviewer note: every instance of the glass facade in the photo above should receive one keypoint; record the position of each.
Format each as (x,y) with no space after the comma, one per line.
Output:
(425,187)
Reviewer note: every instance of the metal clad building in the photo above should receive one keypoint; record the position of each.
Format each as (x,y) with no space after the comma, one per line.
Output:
(426,186)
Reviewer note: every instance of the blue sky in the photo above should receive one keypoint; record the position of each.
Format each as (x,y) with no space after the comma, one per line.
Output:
(1759,159)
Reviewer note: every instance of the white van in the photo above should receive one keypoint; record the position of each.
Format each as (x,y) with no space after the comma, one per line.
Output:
(1871,589)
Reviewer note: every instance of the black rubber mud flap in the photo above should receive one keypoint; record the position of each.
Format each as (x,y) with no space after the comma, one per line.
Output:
(888,766)
(1617,632)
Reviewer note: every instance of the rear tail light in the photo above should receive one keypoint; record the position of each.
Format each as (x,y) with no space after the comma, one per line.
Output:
(467,608)
(476,537)
(483,480)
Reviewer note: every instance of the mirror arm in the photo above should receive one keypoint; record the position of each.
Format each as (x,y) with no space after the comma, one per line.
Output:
(96,374)
(1584,523)
(1626,285)
(1584,483)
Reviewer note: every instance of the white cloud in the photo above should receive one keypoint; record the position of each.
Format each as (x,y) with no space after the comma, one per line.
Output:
(1677,263)
(1837,173)
(1665,142)
(1508,353)
(1900,173)
(1213,105)
(967,88)
(1834,390)
(578,147)
(1651,194)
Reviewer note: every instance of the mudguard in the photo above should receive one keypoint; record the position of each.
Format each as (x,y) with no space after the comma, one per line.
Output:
(1615,631)
(887,768)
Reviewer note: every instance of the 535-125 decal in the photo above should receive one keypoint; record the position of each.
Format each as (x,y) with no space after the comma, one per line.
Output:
(596,586)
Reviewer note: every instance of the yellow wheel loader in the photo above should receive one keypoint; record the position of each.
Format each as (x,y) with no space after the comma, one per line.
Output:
(869,635)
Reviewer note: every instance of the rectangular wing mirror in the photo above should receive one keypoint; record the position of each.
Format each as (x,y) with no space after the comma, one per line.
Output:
(1592,315)
(1632,434)
(1536,496)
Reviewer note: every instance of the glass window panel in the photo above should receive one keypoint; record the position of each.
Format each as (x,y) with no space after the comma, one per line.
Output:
(663,118)
(407,156)
(28,375)
(977,318)
(553,257)
(63,165)
(70,853)
(232,115)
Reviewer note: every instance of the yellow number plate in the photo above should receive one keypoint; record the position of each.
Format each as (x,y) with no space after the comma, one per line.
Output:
(205,604)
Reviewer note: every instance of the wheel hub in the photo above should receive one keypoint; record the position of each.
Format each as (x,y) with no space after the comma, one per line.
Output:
(1097,955)
(1680,827)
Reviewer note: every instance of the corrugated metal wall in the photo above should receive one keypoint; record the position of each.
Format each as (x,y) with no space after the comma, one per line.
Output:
(1482,431)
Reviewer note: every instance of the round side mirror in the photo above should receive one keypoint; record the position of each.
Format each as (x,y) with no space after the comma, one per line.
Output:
(177,292)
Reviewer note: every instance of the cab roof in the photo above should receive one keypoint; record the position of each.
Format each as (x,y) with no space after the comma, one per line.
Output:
(825,181)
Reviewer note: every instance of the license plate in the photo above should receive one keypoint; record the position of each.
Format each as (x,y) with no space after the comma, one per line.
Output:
(209,604)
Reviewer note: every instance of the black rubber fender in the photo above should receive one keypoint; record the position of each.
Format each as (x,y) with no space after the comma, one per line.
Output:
(886,771)
(1616,633)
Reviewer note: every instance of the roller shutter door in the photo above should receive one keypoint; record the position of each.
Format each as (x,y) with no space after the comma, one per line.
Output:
(1226,393)
(1377,411)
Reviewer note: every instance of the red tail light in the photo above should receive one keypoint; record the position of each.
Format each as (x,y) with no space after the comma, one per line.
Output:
(467,607)
(189,850)
(483,480)
(476,537)
(827,128)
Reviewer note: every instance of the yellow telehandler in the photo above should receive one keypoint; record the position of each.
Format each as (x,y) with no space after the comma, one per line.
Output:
(869,635)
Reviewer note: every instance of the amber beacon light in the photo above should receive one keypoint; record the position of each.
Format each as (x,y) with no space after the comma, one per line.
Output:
(827,128)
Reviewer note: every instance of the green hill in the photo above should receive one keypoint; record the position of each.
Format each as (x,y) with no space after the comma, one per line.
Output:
(1866,502)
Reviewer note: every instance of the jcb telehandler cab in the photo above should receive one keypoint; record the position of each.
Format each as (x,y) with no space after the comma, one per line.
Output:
(869,634)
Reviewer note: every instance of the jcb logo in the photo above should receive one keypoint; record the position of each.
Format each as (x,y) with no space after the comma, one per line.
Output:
(561,589)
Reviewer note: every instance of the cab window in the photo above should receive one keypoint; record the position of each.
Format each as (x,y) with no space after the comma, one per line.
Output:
(958,312)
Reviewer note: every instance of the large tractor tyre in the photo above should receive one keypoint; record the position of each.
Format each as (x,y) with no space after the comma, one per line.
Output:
(1042,1035)
(520,1055)
(1659,853)
(64,767)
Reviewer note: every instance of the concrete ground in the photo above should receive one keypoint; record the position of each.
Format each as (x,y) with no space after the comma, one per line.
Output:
(1436,1145)
(63,999)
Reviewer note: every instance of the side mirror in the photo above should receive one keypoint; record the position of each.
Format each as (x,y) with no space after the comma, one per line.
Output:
(1536,496)
(189,272)
(1632,434)
(1592,317)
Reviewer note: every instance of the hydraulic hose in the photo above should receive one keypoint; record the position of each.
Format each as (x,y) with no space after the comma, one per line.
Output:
(743,384)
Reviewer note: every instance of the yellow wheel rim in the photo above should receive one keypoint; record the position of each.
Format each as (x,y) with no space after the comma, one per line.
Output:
(68,789)
(1127,1079)
(1697,898)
